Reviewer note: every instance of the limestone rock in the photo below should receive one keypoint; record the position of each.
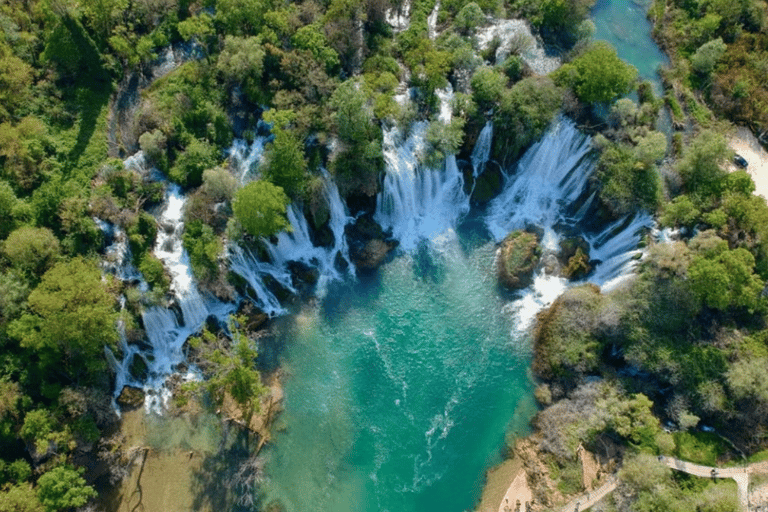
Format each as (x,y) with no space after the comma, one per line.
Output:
(517,258)
(131,397)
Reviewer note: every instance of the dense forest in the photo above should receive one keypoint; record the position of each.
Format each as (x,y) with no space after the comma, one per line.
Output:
(84,86)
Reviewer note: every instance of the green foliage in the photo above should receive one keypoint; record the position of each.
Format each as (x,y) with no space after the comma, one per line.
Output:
(230,368)
(32,250)
(20,498)
(284,163)
(71,317)
(702,164)
(680,212)
(564,339)
(724,278)
(154,272)
(359,160)
(525,112)
(699,447)
(241,62)
(443,140)
(488,85)
(629,177)
(260,208)
(707,56)
(63,487)
(644,472)
(597,75)
(198,156)
(199,27)
(469,18)
(312,39)
(204,248)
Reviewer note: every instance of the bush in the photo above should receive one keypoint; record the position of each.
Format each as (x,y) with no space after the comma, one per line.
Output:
(198,156)
(32,249)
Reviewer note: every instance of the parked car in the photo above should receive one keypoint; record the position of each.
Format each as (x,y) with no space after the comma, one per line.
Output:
(740,161)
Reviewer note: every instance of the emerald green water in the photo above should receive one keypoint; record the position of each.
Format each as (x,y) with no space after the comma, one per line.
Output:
(401,389)
(625,25)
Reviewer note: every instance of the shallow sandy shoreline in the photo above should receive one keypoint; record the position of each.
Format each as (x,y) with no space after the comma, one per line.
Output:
(505,485)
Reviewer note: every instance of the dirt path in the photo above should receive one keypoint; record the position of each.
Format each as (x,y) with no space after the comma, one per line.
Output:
(739,474)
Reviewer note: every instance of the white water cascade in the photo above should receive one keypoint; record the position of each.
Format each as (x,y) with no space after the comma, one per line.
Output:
(482,150)
(297,245)
(166,332)
(245,158)
(418,202)
(543,192)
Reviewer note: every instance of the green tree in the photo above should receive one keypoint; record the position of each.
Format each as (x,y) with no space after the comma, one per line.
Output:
(20,498)
(598,75)
(203,247)
(241,62)
(71,318)
(702,164)
(312,39)
(31,249)
(260,208)
(230,367)
(284,162)
(198,156)
(62,488)
(469,18)
(722,278)
(488,85)
(525,112)
(708,55)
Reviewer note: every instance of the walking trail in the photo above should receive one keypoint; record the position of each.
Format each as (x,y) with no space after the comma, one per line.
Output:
(739,474)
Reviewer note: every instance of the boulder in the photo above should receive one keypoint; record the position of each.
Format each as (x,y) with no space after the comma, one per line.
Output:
(131,397)
(371,254)
(574,257)
(488,184)
(368,245)
(517,258)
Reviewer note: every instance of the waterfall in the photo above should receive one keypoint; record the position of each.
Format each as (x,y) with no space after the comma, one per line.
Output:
(297,245)
(543,192)
(482,149)
(169,249)
(166,332)
(418,202)
(246,159)
(399,18)
(118,259)
(549,177)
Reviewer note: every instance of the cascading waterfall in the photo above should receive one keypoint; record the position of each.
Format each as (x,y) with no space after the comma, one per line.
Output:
(482,149)
(549,180)
(166,332)
(247,158)
(418,202)
(297,245)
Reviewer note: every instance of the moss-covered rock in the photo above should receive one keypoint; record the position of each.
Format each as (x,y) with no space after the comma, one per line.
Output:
(517,257)
(488,184)
(130,397)
(574,258)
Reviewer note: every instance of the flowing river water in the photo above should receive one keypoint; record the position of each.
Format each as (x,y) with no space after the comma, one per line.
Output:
(402,386)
